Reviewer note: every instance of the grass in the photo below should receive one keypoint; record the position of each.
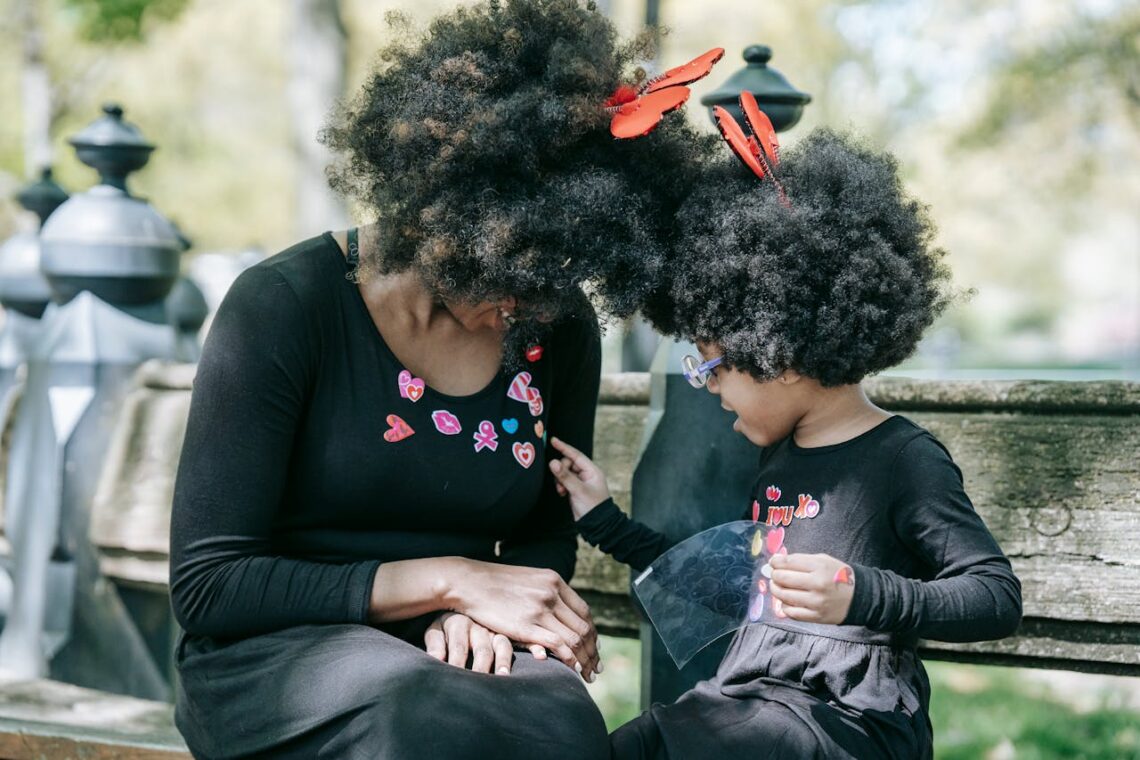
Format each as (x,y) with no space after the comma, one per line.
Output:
(978,713)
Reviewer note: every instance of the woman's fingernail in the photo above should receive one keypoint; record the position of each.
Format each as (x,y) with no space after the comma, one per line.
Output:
(503,671)
(592,678)
(578,667)
(600,668)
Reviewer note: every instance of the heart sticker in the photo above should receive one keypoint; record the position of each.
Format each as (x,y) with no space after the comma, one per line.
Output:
(539,429)
(446,422)
(519,386)
(486,437)
(534,401)
(775,540)
(534,353)
(410,387)
(524,453)
(773,493)
(511,425)
(398,429)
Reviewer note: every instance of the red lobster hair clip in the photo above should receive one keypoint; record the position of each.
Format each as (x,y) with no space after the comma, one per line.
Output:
(637,111)
(759,151)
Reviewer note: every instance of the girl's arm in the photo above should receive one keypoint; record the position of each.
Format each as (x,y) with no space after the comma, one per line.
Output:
(973,594)
(599,520)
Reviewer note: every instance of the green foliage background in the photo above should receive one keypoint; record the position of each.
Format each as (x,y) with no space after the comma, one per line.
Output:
(1019,123)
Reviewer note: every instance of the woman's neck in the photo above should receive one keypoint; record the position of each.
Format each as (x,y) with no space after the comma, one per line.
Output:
(835,415)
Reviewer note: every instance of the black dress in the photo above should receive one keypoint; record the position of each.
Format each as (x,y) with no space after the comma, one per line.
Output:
(311,456)
(891,504)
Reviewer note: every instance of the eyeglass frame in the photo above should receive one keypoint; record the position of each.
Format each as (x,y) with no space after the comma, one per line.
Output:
(698,375)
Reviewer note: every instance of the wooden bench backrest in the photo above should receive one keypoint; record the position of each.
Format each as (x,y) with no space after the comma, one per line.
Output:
(1052,467)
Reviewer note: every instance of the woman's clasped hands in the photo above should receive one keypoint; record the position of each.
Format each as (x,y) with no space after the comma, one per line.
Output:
(493,606)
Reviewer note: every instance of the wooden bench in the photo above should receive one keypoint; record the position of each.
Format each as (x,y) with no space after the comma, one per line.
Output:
(47,720)
(1052,467)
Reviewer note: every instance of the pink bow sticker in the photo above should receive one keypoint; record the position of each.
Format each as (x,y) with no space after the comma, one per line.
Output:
(446,422)
(773,493)
(486,437)
(519,387)
(524,453)
(398,429)
(411,388)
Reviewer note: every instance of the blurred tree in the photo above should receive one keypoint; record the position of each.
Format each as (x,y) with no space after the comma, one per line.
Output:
(1088,67)
(122,20)
(35,89)
(316,53)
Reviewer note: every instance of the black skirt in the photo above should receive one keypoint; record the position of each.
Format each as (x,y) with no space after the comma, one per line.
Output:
(795,691)
(351,691)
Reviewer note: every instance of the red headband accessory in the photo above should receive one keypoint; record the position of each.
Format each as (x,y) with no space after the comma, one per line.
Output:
(637,111)
(759,151)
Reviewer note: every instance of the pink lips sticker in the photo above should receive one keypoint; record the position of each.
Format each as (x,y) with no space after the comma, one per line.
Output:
(398,429)
(773,493)
(524,453)
(446,422)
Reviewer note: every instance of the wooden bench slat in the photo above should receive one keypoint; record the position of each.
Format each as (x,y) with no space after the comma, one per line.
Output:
(47,719)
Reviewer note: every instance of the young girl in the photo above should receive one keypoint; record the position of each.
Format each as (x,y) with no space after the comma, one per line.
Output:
(794,293)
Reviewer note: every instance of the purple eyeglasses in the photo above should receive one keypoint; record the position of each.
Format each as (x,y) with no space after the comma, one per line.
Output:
(698,373)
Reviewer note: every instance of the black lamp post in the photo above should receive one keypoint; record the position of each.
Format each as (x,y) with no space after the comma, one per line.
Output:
(776,97)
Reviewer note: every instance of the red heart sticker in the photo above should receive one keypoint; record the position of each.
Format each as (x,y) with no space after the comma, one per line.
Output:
(534,353)
(398,431)
(775,540)
(415,390)
(524,453)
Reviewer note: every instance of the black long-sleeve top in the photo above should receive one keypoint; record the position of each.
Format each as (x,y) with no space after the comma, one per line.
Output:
(310,457)
(891,504)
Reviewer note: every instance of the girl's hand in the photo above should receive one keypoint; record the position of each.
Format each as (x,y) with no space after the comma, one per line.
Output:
(815,588)
(534,607)
(454,637)
(579,478)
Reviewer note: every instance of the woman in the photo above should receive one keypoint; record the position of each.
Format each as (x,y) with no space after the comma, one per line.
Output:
(362,493)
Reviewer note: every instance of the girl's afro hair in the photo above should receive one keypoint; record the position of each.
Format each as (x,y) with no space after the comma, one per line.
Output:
(483,148)
(837,286)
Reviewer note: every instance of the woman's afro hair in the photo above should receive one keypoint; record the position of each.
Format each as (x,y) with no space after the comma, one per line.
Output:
(838,285)
(483,148)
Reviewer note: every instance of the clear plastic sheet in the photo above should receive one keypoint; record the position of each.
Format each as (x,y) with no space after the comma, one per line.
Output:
(709,585)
